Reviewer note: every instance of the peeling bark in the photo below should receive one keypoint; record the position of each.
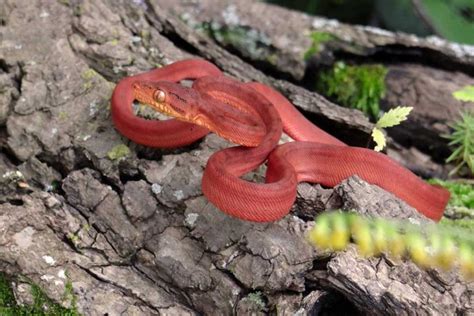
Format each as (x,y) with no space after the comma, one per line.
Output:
(134,235)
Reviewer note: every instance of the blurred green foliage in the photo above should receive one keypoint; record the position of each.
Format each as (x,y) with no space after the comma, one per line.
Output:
(399,15)
(452,19)
(462,142)
(359,11)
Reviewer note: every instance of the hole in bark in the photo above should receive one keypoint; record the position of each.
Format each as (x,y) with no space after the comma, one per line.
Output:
(3,65)
(101,129)
(128,173)
(16,202)
(333,303)
(321,264)
(4,149)
(180,43)
(350,136)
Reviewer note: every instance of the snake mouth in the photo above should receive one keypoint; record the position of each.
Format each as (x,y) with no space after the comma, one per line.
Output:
(165,109)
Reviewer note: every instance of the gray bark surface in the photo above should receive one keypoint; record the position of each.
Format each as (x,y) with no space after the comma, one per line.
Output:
(134,235)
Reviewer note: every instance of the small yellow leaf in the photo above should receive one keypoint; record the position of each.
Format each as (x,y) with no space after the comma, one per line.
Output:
(394,116)
(379,139)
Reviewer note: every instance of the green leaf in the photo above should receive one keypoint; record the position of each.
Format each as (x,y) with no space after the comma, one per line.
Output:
(466,94)
(394,116)
(379,139)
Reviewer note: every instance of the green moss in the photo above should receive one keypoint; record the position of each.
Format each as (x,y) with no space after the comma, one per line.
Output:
(86,227)
(7,298)
(63,115)
(461,205)
(69,295)
(42,305)
(73,238)
(361,87)
(78,9)
(272,59)
(65,2)
(462,197)
(88,74)
(257,299)
(317,38)
(248,42)
(118,152)
(114,42)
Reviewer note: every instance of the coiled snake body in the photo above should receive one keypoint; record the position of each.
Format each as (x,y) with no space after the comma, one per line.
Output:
(254,116)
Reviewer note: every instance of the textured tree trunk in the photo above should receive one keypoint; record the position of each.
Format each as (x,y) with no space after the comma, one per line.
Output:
(128,227)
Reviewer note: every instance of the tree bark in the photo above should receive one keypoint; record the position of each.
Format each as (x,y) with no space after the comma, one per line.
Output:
(133,234)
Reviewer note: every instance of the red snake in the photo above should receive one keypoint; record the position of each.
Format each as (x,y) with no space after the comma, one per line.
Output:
(254,115)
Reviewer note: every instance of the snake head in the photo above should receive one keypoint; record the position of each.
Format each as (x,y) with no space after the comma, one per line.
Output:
(187,104)
(168,98)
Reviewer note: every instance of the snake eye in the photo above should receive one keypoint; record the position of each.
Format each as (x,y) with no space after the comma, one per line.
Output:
(159,96)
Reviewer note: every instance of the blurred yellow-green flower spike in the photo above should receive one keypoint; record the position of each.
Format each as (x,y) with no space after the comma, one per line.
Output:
(320,234)
(355,221)
(417,250)
(363,239)
(394,241)
(445,257)
(339,238)
(466,260)
(379,236)
(360,231)
(429,246)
